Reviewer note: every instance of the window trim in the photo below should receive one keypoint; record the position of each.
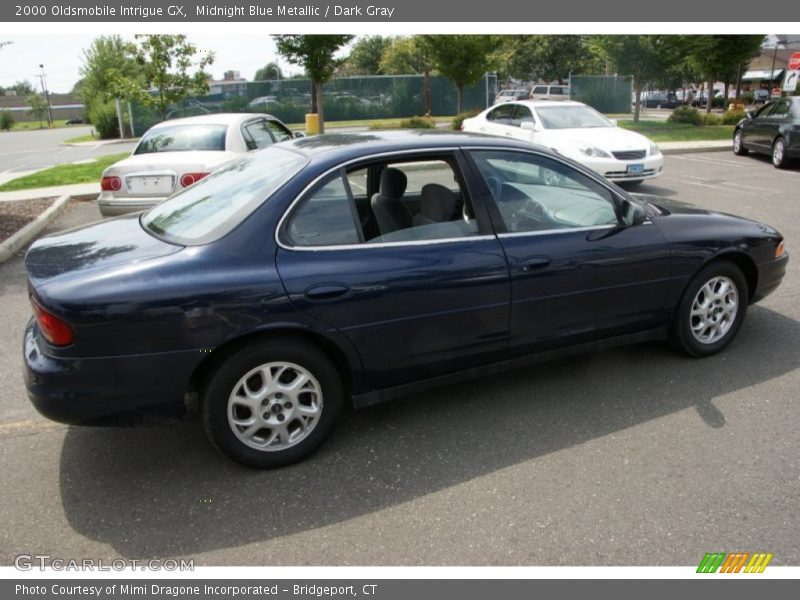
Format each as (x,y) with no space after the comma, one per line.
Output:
(286,244)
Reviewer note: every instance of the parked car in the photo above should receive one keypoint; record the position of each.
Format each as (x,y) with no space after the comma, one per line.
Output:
(578,132)
(760,96)
(774,130)
(509,95)
(74,121)
(550,92)
(363,267)
(660,100)
(175,154)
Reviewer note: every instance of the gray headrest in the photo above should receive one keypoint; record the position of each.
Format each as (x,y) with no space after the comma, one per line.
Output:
(437,203)
(393,183)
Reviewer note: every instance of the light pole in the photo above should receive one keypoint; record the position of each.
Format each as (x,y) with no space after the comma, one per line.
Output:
(43,79)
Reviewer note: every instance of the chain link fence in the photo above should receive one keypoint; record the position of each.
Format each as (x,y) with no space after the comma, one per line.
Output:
(344,99)
(607,94)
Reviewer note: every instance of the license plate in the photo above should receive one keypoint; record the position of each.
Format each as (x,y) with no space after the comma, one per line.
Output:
(150,185)
(635,169)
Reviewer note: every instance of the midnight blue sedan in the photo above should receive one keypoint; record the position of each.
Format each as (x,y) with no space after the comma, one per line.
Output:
(368,266)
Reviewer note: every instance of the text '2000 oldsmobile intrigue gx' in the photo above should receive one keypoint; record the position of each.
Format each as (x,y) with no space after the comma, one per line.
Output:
(368,266)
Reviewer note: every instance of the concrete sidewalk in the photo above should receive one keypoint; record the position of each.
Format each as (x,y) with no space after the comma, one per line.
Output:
(690,147)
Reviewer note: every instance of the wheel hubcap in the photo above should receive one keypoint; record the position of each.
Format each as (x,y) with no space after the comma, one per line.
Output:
(737,141)
(714,310)
(777,153)
(275,406)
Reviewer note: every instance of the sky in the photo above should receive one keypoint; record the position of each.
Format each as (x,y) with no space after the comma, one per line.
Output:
(61,56)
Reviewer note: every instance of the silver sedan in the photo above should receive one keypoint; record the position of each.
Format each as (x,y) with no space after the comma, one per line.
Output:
(175,154)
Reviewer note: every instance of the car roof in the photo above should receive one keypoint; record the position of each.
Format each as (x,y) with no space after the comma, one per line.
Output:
(539,103)
(360,144)
(213,119)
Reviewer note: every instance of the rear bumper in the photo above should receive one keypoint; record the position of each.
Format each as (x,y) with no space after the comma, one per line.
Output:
(113,206)
(80,390)
(770,275)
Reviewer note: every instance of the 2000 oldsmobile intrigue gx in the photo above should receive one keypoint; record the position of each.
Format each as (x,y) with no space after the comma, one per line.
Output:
(364,267)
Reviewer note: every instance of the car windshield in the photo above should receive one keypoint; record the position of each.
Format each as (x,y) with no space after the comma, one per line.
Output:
(215,205)
(182,138)
(571,117)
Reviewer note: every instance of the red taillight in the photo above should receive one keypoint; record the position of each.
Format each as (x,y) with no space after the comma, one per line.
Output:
(54,330)
(188,179)
(110,184)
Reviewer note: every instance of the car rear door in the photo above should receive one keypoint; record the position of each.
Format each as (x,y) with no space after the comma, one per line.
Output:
(418,302)
(577,273)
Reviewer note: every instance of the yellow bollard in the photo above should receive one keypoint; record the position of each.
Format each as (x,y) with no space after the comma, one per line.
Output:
(312,124)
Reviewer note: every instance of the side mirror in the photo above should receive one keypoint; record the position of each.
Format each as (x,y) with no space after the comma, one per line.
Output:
(633,213)
(299,134)
(529,126)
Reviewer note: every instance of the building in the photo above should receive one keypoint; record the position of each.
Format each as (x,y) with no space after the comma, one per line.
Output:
(760,73)
(64,106)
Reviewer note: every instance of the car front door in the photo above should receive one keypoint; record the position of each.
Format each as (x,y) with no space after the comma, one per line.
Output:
(417,300)
(755,131)
(578,272)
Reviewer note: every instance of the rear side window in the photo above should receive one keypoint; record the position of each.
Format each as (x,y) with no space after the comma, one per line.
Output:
(256,135)
(540,89)
(326,217)
(501,114)
(183,138)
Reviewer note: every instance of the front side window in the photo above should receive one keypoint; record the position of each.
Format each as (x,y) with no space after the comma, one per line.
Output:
(215,205)
(182,138)
(536,193)
(781,110)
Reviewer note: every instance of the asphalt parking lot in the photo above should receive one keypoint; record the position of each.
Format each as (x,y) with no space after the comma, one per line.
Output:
(634,456)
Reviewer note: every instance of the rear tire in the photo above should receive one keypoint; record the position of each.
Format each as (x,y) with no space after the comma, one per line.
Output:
(738,143)
(272,403)
(711,310)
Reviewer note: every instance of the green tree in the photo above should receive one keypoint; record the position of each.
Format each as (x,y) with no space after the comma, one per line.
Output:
(104,64)
(463,59)
(269,71)
(407,55)
(22,88)
(315,53)
(549,57)
(171,68)
(6,120)
(718,57)
(365,57)
(645,57)
(38,107)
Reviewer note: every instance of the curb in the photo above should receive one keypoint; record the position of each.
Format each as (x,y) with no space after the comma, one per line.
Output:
(9,247)
(696,150)
(99,143)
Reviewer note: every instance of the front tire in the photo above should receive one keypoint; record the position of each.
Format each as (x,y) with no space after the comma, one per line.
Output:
(738,143)
(780,159)
(272,403)
(711,310)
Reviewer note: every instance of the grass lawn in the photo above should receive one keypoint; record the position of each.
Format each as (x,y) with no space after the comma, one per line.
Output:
(63,174)
(662,131)
(81,138)
(23,125)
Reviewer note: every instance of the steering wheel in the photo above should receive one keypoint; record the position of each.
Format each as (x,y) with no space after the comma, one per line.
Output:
(530,217)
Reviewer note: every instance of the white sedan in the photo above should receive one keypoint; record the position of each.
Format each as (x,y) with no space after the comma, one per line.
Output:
(576,131)
(176,153)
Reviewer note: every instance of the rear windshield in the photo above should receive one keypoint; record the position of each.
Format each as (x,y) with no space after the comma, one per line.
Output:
(215,205)
(181,138)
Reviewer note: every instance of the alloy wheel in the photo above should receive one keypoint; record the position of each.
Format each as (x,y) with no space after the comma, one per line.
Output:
(714,310)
